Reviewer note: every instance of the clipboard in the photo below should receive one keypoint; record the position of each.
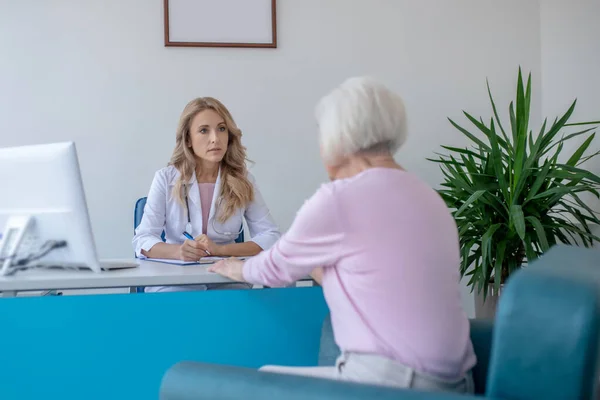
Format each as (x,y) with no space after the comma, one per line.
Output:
(202,261)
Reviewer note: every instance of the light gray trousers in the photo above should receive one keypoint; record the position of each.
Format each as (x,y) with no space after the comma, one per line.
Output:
(378,370)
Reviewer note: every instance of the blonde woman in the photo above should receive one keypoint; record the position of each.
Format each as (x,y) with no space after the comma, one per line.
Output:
(385,248)
(204,194)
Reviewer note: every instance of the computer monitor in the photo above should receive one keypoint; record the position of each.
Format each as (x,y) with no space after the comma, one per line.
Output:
(42,183)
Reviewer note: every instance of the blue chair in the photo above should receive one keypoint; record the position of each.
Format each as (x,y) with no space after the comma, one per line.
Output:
(543,344)
(138,213)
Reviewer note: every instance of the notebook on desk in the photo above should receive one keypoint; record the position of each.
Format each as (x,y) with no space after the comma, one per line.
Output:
(203,260)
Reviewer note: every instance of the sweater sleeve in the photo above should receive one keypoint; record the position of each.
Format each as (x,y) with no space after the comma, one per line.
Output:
(314,240)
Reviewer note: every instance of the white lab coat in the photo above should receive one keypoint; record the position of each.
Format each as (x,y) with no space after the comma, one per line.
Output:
(165,212)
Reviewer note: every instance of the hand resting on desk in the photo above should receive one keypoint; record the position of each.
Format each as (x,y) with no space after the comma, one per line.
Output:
(230,268)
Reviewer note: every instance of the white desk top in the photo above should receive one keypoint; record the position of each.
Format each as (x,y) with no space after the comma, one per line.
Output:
(148,273)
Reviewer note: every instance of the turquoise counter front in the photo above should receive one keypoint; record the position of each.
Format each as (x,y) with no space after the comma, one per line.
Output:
(120,346)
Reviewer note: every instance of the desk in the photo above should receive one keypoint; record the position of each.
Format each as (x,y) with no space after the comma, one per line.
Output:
(149,273)
(118,347)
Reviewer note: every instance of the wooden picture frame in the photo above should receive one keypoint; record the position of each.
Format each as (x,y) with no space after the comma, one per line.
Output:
(210,23)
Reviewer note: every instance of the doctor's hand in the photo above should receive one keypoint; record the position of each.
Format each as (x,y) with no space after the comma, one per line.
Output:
(191,250)
(208,245)
(230,268)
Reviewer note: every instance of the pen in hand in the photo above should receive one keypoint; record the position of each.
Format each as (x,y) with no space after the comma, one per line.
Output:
(190,237)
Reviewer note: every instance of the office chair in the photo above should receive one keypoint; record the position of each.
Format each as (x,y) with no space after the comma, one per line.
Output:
(138,213)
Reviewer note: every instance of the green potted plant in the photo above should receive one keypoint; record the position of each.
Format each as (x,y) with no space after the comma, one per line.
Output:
(514,193)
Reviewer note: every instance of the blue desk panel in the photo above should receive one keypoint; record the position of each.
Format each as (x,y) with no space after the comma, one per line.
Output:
(120,346)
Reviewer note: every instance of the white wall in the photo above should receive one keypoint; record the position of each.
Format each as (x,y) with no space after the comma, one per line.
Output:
(570,60)
(97,72)
(571,57)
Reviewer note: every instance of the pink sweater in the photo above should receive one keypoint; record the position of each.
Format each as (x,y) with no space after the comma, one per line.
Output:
(390,256)
(207,191)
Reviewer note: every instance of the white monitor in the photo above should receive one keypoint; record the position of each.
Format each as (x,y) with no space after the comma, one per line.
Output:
(44,182)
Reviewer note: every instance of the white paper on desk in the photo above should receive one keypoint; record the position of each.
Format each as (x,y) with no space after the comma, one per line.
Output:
(169,261)
(214,259)
(203,260)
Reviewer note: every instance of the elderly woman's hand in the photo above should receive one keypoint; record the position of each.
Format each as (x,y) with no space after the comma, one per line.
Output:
(317,275)
(230,268)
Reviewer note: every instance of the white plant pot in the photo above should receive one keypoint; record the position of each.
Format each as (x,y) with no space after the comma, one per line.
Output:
(487,309)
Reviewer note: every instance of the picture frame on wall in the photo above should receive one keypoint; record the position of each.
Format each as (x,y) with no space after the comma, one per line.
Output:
(220,23)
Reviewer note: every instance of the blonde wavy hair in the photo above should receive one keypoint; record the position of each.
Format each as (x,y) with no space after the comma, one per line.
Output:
(236,190)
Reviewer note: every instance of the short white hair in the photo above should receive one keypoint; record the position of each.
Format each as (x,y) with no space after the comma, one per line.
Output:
(360,115)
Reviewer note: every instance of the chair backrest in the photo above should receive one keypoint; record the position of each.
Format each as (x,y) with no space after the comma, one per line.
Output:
(138,213)
(546,335)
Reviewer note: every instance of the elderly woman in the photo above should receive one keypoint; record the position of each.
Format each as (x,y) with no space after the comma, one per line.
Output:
(385,248)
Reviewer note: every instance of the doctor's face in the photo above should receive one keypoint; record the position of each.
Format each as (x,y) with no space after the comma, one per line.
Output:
(208,136)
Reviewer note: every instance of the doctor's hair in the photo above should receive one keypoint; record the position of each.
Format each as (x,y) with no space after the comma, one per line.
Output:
(361,115)
(236,190)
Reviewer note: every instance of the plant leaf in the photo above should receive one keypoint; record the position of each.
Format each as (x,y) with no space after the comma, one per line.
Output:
(496,159)
(557,126)
(470,136)
(568,137)
(462,151)
(529,251)
(485,241)
(500,250)
(469,201)
(486,131)
(539,181)
(583,123)
(513,122)
(584,159)
(539,230)
(579,152)
(512,198)
(510,149)
(518,220)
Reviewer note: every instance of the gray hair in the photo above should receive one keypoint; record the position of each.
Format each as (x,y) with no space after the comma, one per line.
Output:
(358,116)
